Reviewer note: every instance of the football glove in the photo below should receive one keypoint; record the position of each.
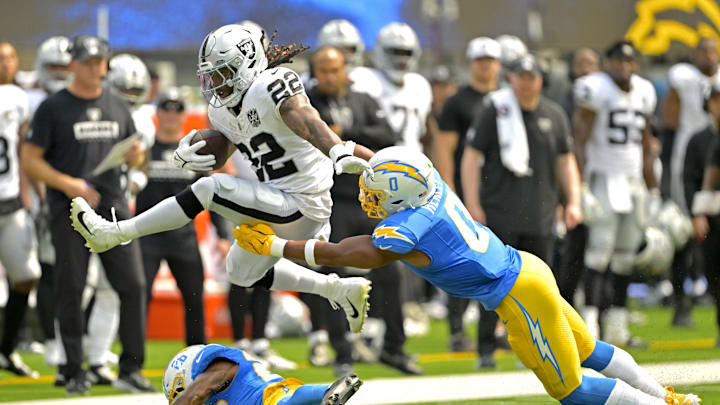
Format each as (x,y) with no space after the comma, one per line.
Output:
(186,157)
(259,239)
(344,161)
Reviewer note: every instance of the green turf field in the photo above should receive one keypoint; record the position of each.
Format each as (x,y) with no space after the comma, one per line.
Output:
(666,344)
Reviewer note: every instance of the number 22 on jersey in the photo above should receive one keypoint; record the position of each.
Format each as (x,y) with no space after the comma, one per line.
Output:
(476,237)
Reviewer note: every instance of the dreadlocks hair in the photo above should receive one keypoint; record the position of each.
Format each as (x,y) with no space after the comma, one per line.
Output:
(279,54)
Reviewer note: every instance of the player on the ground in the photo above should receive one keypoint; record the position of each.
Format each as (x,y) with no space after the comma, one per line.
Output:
(613,147)
(216,374)
(426,226)
(18,246)
(263,110)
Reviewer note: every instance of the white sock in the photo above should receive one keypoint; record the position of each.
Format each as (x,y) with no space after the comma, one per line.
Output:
(164,216)
(293,277)
(102,325)
(624,367)
(590,315)
(623,394)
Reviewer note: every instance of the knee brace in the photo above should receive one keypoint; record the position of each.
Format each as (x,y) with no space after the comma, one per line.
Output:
(591,391)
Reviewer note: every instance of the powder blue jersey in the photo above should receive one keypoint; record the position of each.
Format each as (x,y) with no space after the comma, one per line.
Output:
(466,258)
(250,380)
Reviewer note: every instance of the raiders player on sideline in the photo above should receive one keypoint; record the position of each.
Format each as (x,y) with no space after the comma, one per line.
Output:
(613,145)
(264,112)
(18,247)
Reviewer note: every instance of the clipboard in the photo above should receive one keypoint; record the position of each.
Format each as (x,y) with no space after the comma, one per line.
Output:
(115,157)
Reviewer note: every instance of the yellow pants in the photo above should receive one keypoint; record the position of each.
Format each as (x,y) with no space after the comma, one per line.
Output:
(279,390)
(545,332)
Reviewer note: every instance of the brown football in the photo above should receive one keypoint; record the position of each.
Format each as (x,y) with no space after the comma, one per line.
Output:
(216,144)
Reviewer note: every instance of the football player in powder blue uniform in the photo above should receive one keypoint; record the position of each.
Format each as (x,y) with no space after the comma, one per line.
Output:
(426,226)
(218,375)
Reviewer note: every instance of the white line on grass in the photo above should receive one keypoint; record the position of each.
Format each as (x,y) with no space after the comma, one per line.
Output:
(448,387)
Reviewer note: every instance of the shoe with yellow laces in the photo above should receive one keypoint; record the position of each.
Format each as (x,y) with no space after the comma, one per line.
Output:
(674,398)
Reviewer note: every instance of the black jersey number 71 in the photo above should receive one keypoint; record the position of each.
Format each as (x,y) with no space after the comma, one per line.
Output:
(264,169)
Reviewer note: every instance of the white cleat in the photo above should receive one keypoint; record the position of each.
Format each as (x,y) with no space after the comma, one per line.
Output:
(100,234)
(352,295)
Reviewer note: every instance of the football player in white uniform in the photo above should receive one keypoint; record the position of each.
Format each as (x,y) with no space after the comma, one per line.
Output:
(405,96)
(18,246)
(612,133)
(262,109)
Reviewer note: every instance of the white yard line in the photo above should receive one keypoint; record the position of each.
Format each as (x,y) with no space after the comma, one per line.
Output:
(446,388)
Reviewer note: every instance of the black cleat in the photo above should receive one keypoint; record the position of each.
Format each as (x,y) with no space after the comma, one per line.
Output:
(78,385)
(14,364)
(341,390)
(486,361)
(400,361)
(101,375)
(133,382)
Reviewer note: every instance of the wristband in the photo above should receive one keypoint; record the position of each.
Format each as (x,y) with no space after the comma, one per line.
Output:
(310,252)
(277,248)
(704,203)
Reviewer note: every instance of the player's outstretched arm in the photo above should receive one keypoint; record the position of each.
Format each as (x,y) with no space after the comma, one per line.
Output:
(356,251)
(213,380)
(303,119)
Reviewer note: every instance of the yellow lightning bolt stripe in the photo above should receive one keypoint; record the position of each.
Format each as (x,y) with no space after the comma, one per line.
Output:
(395,166)
(389,232)
(652,36)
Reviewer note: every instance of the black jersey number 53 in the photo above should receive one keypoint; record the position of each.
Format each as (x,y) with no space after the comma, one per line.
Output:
(274,170)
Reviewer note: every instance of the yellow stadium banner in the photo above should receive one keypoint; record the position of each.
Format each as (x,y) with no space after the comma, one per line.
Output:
(653,36)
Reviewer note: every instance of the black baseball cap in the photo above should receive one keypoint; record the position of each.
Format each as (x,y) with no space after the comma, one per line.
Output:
(171,99)
(89,46)
(526,63)
(621,49)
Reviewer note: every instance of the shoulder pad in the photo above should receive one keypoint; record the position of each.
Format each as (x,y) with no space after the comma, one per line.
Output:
(393,237)
(589,91)
(276,84)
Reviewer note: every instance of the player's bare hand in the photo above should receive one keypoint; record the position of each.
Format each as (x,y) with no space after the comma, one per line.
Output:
(573,215)
(77,187)
(186,157)
(477,213)
(701,226)
(256,239)
(135,156)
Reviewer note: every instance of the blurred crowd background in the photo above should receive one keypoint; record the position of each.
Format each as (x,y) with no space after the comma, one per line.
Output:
(568,39)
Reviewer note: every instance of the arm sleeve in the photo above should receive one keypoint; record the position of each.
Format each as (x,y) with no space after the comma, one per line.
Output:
(449,117)
(483,128)
(370,124)
(40,133)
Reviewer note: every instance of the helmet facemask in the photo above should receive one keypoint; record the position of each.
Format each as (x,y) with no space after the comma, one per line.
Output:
(178,386)
(220,84)
(371,200)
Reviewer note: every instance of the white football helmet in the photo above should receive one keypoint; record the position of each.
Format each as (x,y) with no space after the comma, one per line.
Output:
(342,34)
(672,219)
(403,178)
(51,62)
(230,58)
(129,75)
(178,373)
(656,254)
(512,48)
(256,26)
(397,51)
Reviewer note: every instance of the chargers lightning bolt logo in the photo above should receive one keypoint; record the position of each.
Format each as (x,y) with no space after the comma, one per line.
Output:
(396,166)
(384,231)
(540,342)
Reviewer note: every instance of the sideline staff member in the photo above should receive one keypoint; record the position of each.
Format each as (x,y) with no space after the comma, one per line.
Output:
(179,247)
(72,131)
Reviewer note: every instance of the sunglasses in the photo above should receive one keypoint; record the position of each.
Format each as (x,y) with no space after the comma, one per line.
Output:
(172,106)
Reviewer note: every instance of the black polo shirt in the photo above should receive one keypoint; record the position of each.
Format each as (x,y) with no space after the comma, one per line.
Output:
(457,115)
(524,205)
(166,180)
(76,135)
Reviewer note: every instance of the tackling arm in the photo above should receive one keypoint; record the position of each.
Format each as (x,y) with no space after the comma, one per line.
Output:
(218,375)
